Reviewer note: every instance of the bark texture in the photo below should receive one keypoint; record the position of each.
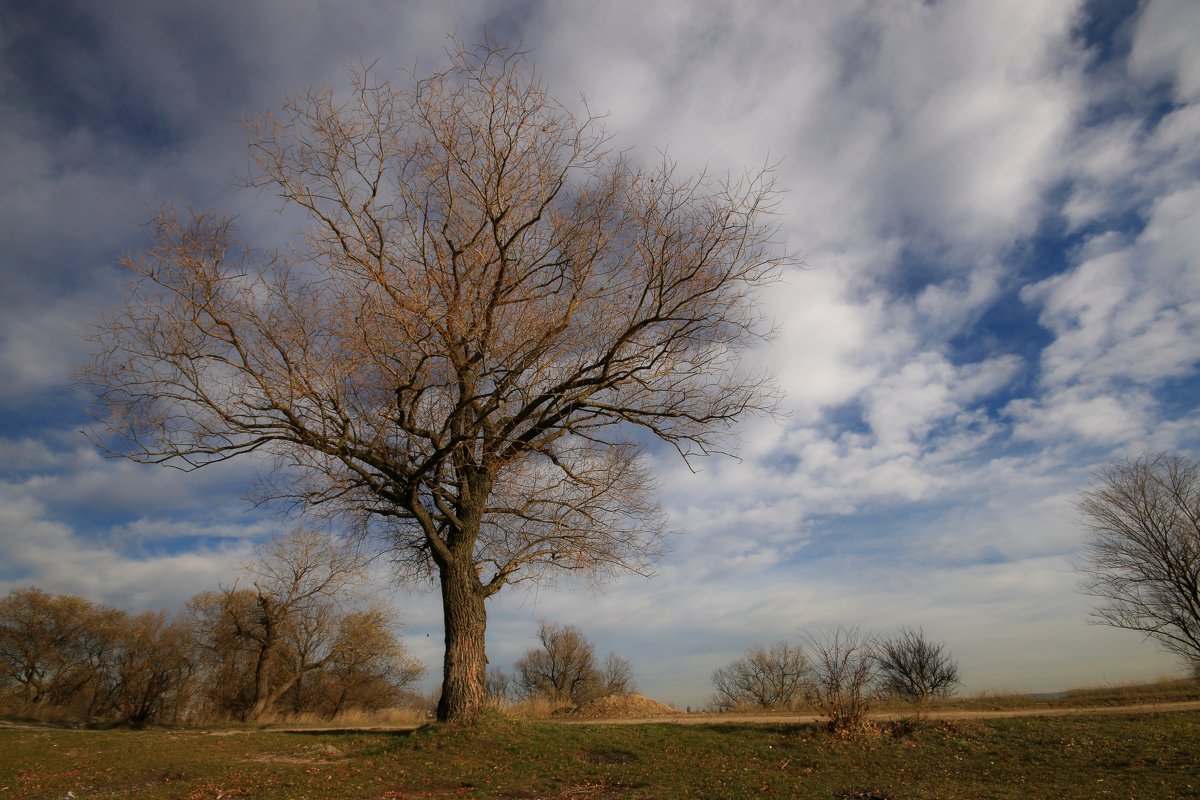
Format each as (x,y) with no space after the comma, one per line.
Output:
(464,681)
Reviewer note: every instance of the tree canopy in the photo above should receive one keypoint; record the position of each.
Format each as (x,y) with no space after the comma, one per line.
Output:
(487,318)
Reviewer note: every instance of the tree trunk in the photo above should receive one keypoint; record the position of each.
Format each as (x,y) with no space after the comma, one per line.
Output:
(464,677)
(262,674)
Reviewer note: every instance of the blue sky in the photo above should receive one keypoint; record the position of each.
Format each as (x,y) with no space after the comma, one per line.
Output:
(997,207)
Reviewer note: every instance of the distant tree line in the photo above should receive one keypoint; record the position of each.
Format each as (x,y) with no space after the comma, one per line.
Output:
(288,642)
(840,672)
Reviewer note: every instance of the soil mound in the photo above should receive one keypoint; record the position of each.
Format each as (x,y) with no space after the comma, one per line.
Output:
(619,706)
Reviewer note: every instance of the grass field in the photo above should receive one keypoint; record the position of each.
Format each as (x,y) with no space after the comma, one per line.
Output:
(1164,690)
(1121,756)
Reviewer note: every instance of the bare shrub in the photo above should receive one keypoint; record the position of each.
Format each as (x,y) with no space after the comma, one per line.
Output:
(499,687)
(914,668)
(616,677)
(768,678)
(843,672)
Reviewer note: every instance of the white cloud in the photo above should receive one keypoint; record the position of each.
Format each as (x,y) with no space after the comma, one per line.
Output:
(829,342)
(49,554)
(1128,314)
(39,346)
(1164,47)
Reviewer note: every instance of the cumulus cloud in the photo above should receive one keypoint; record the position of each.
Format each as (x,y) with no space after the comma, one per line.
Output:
(47,553)
(1125,320)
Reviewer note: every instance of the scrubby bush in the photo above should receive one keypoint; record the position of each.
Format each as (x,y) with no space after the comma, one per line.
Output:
(844,675)
(914,668)
(776,677)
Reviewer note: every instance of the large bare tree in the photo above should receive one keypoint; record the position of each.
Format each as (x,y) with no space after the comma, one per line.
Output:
(1143,552)
(488,318)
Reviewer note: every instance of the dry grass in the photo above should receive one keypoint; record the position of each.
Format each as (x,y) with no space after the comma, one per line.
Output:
(1162,690)
(535,708)
(352,718)
(1167,689)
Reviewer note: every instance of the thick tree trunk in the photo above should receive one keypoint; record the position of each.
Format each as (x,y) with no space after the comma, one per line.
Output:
(464,681)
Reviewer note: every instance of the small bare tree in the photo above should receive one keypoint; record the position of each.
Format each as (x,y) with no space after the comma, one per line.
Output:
(562,668)
(366,666)
(153,671)
(616,677)
(499,686)
(769,678)
(915,668)
(485,307)
(843,669)
(1142,556)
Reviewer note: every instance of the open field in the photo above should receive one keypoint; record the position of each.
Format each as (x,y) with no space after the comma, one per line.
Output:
(1119,755)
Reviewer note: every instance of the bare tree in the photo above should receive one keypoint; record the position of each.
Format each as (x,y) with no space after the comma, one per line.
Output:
(1143,553)
(499,686)
(283,627)
(58,650)
(843,669)
(68,656)
(485,308)
(913,667)
(152,673)
(561,668)
(616,677)
(774,677)
(367,667)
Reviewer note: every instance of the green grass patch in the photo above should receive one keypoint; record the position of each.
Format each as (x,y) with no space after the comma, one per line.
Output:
(1151,755)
